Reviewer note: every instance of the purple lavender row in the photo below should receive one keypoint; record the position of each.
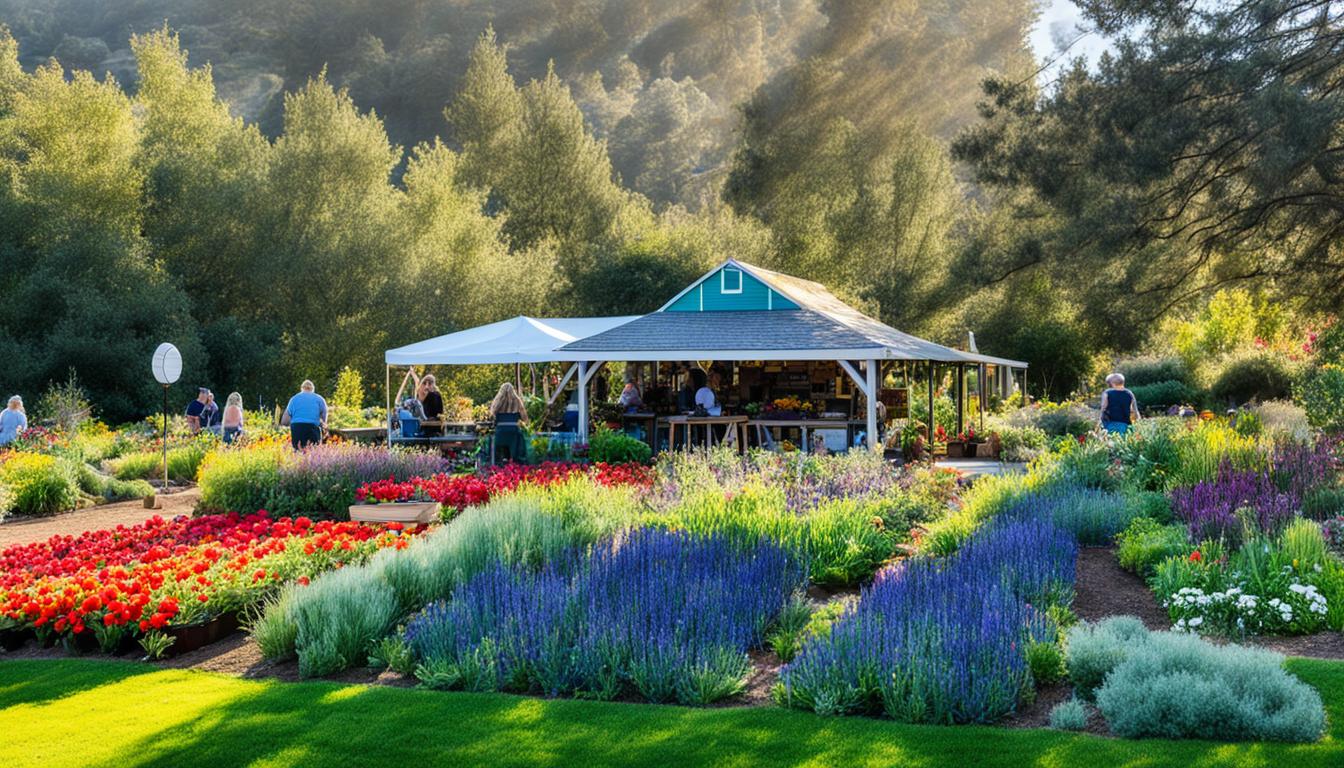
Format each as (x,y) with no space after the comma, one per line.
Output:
(667,616)
(942,640)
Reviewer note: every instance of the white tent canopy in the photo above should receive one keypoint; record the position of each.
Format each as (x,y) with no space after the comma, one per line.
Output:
(516,340)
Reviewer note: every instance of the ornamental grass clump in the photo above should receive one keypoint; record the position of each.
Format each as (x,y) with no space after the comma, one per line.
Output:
(667,616)
(337,617)
(941,640)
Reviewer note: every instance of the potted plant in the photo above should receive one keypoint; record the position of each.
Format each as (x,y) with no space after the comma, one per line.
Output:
(956,446)
(388,501)
(607,413)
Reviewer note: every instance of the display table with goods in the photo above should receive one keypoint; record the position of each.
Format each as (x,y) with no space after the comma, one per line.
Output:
(736,427)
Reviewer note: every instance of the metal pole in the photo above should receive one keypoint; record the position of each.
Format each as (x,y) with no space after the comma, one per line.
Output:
(165,438)
(387,392)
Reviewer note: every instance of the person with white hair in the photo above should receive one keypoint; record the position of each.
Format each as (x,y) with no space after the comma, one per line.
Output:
(1119,407)
(13,420)
(306,416)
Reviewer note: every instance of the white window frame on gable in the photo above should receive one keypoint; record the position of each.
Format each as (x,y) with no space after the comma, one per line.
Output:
(723,280)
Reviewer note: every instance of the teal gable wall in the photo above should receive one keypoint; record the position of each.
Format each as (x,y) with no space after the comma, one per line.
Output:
(755,295)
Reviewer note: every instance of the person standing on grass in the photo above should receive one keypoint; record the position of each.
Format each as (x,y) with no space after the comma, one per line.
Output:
(13,421)
(233,418)
(306,416)
(195,408)
(1119,407)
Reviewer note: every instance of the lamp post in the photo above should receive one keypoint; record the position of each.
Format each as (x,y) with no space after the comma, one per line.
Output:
(167,365)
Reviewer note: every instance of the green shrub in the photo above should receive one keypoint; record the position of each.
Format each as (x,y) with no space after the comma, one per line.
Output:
(1161,395)
(1323,503)
(1069,715)
(1177,686)
(786,637)
(1146,542)
(183,461)
(110,488)
(1256,376)
(1021,443)
(1143,371)
(613,447)
(39,484)
(240,480)
(1093,650)
(1321,393)
(1072,419)
(844,540)
(1046,662)
(6,498)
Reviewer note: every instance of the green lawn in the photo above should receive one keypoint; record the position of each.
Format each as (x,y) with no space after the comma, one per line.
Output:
(88,712)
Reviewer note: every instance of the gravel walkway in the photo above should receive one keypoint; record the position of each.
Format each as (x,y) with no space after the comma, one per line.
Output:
(29,530)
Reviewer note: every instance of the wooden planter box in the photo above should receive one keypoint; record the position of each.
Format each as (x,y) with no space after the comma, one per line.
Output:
(956,449)
(986,451)
(396,512)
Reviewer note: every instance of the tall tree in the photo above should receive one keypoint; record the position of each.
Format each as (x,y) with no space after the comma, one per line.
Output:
(530,145)
(83,292)
(328,232)
(205,173)
(1206,151)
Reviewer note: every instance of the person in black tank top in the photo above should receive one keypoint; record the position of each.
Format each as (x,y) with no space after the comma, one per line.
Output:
(1119,408)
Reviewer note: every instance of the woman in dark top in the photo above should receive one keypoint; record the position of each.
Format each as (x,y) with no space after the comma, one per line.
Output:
(1119,407)
(428,395)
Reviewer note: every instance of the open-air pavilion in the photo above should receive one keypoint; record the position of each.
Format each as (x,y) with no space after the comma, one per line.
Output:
(766,332)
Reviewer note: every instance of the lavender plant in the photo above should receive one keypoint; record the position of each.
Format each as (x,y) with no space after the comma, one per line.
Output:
(667,616)
(321,481)
(1233,501)
(942,640)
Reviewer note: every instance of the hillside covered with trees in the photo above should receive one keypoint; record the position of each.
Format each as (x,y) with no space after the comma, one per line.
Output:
(285,187)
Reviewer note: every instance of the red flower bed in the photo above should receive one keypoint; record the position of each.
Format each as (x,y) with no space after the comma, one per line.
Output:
(462,491)
(134,580)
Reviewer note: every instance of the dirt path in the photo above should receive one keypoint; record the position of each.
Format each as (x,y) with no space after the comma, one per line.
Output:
(1105,589)
(27,531)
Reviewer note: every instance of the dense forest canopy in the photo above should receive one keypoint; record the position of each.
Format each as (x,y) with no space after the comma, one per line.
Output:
(285,187)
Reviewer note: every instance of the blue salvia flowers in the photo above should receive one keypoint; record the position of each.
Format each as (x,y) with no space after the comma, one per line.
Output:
(665,615)
(942,640)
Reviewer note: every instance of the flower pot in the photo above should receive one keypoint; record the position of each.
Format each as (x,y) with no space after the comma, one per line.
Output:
(985,451)
(396,512)
(956,449)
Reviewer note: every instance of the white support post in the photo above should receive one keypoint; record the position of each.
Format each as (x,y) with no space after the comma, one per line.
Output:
(583,401)
(872,393)
(569,374)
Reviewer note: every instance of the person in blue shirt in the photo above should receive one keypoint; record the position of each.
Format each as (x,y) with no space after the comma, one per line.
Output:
(1119,407)
(195,408)
(306,416)
(13,421)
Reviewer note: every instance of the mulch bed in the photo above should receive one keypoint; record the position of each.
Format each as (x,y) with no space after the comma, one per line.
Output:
(1105,589)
